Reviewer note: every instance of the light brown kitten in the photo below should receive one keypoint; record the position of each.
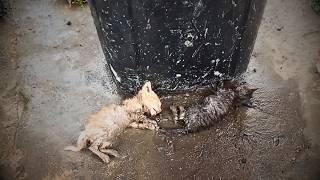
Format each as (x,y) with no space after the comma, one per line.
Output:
(102,128)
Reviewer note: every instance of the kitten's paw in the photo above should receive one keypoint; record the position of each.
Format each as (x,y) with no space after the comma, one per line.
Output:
(105,159)
(156,128)
(111,152)
(153,125)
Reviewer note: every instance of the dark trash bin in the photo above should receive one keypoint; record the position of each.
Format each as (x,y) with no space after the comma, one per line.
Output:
(176,44)
(4,7)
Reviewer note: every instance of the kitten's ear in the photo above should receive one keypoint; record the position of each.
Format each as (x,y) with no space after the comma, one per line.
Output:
(251,91)
(147,87)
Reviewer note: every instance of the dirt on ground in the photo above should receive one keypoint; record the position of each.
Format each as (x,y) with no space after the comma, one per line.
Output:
(52,77)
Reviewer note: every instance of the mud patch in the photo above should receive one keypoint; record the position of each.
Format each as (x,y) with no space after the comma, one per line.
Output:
(63,175)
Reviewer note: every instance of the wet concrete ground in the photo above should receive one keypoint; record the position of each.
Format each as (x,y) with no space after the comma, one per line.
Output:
(52,78)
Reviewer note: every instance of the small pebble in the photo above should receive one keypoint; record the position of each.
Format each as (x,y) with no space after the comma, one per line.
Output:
(69,23)
(298,149)
(243,160)
(279,29)
(220,133)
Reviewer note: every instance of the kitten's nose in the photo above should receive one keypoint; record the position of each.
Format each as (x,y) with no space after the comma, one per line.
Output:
(153,112)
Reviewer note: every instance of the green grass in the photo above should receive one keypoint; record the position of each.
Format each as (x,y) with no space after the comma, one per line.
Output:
(80,3)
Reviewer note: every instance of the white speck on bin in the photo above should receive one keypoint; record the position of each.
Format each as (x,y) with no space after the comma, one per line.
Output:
(115,74)
(188,43)
(217,73)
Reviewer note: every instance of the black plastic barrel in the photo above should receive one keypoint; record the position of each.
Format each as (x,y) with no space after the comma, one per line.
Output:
(176,44)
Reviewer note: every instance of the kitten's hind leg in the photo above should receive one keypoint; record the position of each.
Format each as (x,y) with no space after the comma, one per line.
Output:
(104,148)
(111,152)
(95,149)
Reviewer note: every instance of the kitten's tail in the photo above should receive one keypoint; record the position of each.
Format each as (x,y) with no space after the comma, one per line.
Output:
(81,143)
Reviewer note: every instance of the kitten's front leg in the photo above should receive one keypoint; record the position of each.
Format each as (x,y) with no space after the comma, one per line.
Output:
(174,111)
(182,112)
(178,112)
(145,124)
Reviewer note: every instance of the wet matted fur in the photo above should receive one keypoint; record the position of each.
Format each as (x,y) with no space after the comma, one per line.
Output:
(213,108)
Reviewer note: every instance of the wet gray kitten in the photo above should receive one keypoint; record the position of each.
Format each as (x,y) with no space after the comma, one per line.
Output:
(213,108)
